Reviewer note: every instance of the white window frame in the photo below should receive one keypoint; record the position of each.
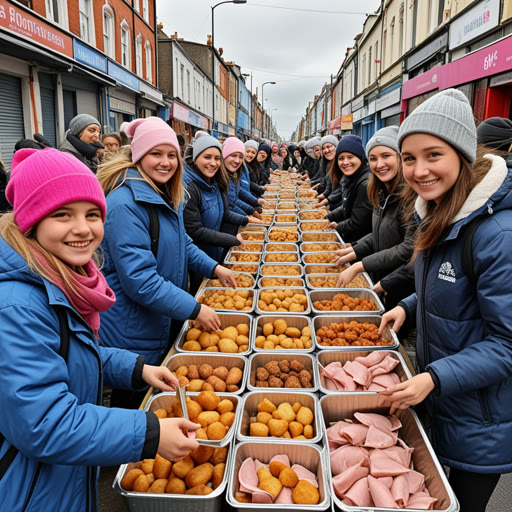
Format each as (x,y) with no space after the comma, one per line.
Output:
(149,61)
(136,5)
(145,10)
(125,29)
(86,16)
(109,46)
(189,99)
(61,17)
(138,55)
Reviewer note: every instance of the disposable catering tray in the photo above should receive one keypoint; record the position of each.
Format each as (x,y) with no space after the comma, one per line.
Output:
(285,217)
(301,291)
(249,247)
(282,272)
(356,293)
(250,410)
(321,236)
(320,258)
(321,268)
(310,456)
(246,268)
(214,359)
(165,400)
(321,246)
(251,235)
(281,257)
(316,214)
(242,257)
(148,502)
(274,282)
(226,320)
(329,280)
(342,406)
(326,357)
(291,321)
(325,320)
(207,292)
(273,234)
(313,225)
(259,360)
(286,205)
(248,281)
(270,247)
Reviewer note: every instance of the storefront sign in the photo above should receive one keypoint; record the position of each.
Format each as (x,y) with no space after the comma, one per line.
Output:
(427,51)
(504,79)
(346,110)
(121,105)
(425,82)
(184,114)
(357,103)
(347,119)
(123,76)
(89,56)
(334,124)
(477,21)
(357,115)
(30,27)
(151,93)
(388,99)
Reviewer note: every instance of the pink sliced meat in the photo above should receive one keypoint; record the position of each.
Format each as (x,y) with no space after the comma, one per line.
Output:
(416,481)
(359,494)
(386,380)
(381,495)
(346,456)
(285,496)
(359,372)
(333,435)
(281,458)
(421,501)
(377,438)
(376,387)
(305,474)
(258,465)
(331,385)
(384,466)
(336,373)
(248,479)
(344,481)
(386,480)
(379,421)
(262,497)
(385,366)
(399,454)
(354,433)
(395,425)
(373,358)
(400,490)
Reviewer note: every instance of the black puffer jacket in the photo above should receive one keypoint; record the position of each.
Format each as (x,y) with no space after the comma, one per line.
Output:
(85,152)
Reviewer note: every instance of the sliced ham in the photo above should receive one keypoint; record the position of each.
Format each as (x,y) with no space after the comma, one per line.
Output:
(386,380)
(384,466)
(337,374)
(377,438)
(305,474)
(376,387)
(359,494)
(359,372)
(386,480)
(334,436)
(381,495)
(396,453)
(354,433)
(258,465)
(262,497)
(248,479)
(373,358)
(344,481)
(416,481)
(379,421)
(346,456)
(400,490)
(421,501)
(395,425)
(281,458)
(385,366)
(285,496)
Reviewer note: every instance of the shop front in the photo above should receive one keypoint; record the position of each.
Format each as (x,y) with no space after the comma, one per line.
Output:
(334,126)
(388,106)
(186,122)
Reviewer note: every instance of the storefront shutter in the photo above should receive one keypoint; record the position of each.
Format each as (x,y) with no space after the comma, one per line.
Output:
(12,127)
(47,90)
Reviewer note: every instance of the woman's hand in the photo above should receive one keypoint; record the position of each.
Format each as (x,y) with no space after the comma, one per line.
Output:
(174,444)
(405,394)
(348,275)
(159,377)
(346,254)
(396,317)
(262,202)
(254,220)
(321,203)
(241,240)
(377,288)
(320,197)
(256,214)
(315,186)
(226,277)
(330,226)
(207,319)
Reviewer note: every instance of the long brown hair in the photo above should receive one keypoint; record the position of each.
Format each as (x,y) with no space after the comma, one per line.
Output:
(334,171)
(375,186)
(439,216)
(221,177)
(116,168)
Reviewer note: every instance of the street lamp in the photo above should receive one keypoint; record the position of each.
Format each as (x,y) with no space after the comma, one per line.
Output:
(263,103)
(213,51)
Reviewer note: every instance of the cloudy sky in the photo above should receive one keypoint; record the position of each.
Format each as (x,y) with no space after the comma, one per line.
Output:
(284,41)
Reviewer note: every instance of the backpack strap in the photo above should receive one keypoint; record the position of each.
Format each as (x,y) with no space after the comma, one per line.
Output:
(9,456)
(467,256)
(154,227)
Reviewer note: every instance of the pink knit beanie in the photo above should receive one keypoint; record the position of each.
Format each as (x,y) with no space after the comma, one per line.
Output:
(232,145)
(149,133)
(43,180)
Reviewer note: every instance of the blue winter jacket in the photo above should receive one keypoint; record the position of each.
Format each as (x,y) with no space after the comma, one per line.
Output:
(245,181)
(239,200)
(465,331)
(150,292)
(51,409)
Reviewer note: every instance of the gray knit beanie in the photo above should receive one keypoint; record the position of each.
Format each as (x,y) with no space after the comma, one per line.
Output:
(387,136)
(204,142)
(329,138)
(317,141)
(80,122)
(251,144)
(447,115)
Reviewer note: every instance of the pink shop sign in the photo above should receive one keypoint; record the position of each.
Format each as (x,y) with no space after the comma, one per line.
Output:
(425,82)
(492,60)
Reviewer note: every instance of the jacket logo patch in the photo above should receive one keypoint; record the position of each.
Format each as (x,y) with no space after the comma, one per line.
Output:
(446,272)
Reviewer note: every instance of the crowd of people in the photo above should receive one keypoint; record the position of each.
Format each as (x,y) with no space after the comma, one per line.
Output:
(436,191)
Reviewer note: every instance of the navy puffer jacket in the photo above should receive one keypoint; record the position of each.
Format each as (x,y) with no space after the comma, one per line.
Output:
(465,330)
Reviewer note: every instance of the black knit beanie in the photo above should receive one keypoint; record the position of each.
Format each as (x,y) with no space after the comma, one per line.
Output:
(495,132)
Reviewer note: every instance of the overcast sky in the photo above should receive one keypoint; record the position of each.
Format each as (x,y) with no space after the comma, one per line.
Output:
(295,47)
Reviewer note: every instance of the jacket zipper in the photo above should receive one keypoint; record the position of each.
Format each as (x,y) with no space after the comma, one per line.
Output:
(484,406)
(32,486)
(423,313)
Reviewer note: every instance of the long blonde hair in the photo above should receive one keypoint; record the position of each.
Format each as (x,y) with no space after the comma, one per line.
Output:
(116,168)
(27,247)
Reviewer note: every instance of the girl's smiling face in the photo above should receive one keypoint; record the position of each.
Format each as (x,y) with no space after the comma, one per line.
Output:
(348,163)
(208,162)
(233,162)
(430,165)
(329,150)
(90,134)
(250,154)
(160,163)
(262,156)
(72,233)
(383,163)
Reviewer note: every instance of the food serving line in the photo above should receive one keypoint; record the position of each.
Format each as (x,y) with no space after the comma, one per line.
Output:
(286,272)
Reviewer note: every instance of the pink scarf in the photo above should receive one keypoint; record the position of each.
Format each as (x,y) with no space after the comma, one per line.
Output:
(91,296)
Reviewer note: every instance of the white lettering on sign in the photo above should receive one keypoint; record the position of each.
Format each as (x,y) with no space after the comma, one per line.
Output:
(28,27)
(491,60)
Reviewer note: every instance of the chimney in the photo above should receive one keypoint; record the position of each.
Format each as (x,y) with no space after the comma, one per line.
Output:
(160,26)
(175,35)
(209,40)
(221,51)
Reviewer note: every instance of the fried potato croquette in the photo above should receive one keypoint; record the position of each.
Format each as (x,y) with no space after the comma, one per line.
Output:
(129,479)
(175,486)
(218,474)
(200,490)
(147,466)
(182,467)
(202,454)
(195,385)
(158,486)
(234,376)
(288,477)
(277,427)
(141,484)
(225,406)
(227,419)
(219,456)
(227,345)
(206,418)
(305,416)
(266,406)
(275,467)
(162,467)
(208,400)
(280,326)
(200,475)
(258,430)
(272,485)
(216,430)
(305,493)
(193,346)
(193,334)
(285,412)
